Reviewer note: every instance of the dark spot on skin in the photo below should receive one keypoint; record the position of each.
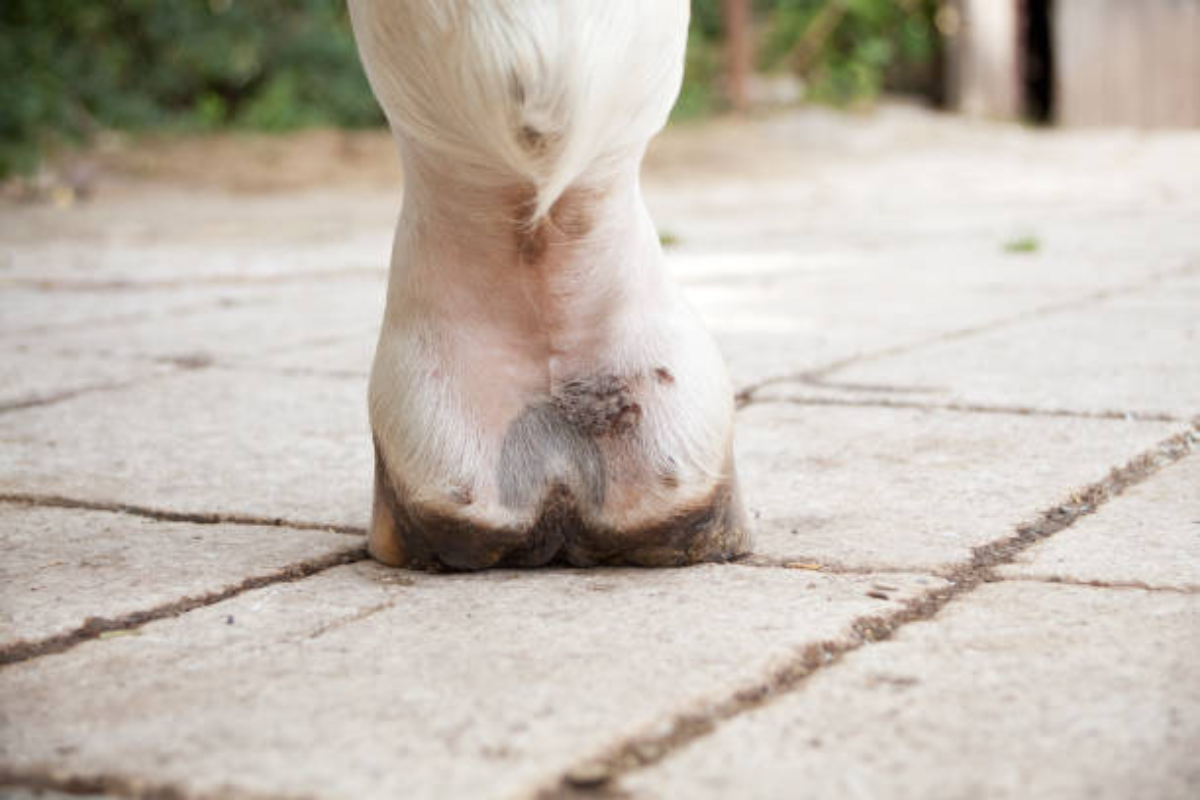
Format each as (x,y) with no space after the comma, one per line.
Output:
(599,405)
(664,375)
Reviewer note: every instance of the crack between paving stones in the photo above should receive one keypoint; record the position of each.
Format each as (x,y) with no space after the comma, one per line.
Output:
(968,408)
(71,394)
(94,627)
(598,775)
(133,318)
(745,396)
(1062,580)
(816,565)
(165,515)
(294,372)
(115,785)
(184,362)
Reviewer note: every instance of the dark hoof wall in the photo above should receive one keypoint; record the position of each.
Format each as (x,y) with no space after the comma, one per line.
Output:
(407,536)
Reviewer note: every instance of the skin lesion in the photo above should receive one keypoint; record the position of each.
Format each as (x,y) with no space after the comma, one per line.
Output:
(602,405)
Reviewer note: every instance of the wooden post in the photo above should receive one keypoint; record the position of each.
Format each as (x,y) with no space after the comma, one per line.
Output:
(986,61)
(737,52)
(1128,62)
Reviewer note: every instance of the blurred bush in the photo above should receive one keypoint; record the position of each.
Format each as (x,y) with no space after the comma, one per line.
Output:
(73,67)
(844,51)
(849,50)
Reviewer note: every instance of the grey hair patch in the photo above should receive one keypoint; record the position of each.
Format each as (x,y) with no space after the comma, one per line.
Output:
(543,448)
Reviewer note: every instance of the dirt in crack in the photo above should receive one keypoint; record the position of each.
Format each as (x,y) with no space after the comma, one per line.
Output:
(597,776)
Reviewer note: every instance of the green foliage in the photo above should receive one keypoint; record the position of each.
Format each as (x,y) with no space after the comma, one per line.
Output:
(71,67)
(700,94)
(1022,245)
(845,50)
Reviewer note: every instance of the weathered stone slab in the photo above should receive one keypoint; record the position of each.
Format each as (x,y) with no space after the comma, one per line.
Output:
(1131,353)
(13,793)
(281,319)
(800,181)
(1150,536)
(348,356)
(912,488)
(29,378)
(369,682)
(192,236)
(27,314)
(273,446)
(772,313)
(62,566)
(1019,690)
(805,310)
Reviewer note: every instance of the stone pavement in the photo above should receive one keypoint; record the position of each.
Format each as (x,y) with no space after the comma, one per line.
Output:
(969,363)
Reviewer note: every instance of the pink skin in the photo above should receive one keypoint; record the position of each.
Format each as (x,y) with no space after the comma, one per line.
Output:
(522,324)
(552,357)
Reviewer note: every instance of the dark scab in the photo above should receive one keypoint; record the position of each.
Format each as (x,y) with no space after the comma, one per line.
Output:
(600,405)
(664,376)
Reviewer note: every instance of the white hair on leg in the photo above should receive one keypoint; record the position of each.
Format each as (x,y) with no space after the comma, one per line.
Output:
(540,91)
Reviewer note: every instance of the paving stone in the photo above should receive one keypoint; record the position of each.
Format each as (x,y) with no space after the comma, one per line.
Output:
(913,488)
(776,183)
(62,566)
(348,356)
(278,446)
(30,313)
(1018,690)
(1127,354)
(805,310)
(31,378)
(369,682)
(193,237)
(13,793)
(1149,535)
(280,319)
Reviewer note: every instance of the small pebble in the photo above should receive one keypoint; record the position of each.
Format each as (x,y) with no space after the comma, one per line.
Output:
(591,774)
